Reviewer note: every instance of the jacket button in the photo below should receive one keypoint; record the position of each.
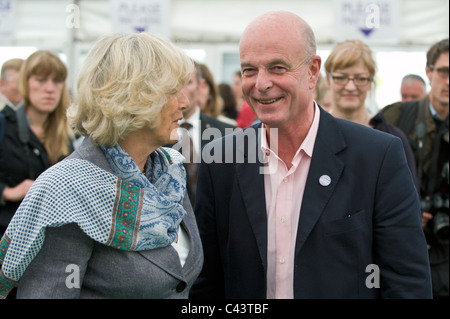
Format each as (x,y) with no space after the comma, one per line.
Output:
(181,286)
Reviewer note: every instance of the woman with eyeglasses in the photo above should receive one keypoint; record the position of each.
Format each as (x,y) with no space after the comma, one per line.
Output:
(350,71)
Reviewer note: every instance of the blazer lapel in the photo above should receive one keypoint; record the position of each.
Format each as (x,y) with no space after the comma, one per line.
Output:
(325,164)
(251,181)
(167,258)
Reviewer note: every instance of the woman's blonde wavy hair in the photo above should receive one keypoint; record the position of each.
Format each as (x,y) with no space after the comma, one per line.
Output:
(348,53)
(124,84)
(57,132)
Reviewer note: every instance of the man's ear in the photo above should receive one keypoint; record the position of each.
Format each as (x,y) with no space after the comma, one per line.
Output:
(314,70)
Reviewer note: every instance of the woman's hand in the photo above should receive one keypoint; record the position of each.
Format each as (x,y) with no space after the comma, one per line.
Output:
(17,193)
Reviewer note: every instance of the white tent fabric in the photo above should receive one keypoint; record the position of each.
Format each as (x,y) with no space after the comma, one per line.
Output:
(43,22)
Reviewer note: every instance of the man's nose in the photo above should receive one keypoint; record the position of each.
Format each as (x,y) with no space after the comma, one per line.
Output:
(263,81)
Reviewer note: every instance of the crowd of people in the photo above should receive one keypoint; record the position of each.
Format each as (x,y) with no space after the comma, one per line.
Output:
(155,181)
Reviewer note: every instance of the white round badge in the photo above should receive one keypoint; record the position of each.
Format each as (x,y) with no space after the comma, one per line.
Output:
(325,180)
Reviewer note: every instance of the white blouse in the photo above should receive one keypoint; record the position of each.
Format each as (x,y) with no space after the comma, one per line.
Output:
(182,246)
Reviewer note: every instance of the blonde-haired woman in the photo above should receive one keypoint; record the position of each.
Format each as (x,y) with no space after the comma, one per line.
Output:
(117,214)
(37,134)
(351,71)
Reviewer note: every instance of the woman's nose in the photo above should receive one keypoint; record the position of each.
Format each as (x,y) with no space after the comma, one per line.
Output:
(350,85)
(49,85)
(183,100)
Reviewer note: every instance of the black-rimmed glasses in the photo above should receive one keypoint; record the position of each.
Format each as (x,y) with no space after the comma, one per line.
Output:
(359,81)
(443,72)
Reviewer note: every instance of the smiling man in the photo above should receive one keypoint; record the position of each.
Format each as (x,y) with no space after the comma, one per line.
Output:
(338,199)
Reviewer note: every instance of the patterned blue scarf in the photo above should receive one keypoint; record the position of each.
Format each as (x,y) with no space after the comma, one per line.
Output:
(125,210)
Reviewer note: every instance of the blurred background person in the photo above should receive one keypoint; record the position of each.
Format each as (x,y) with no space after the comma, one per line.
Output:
(322,94)
(196,130)
(412,88)
(426,124)
(9,90)
(209,98)
(37,135)
(350,72)
(229,102)
(327,101)
(236,87)
(246,116)
(151,249)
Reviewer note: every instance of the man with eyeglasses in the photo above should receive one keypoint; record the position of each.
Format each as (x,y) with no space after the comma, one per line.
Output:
(426,124)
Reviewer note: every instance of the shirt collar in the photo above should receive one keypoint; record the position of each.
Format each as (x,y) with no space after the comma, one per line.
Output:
(4,100)
(433,112)
(194,118)
(308,144)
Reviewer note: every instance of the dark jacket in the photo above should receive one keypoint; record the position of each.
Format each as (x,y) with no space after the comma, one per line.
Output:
(379,122)
(431,159)
(22,156)
(406,117)
(367,215)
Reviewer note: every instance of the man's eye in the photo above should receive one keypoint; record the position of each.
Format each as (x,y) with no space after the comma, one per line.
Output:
(278,69)
(248,71)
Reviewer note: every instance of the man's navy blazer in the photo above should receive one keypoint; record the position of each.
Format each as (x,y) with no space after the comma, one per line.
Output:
(367,219)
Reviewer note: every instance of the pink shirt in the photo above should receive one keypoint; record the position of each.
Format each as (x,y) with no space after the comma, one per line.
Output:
(284,193)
